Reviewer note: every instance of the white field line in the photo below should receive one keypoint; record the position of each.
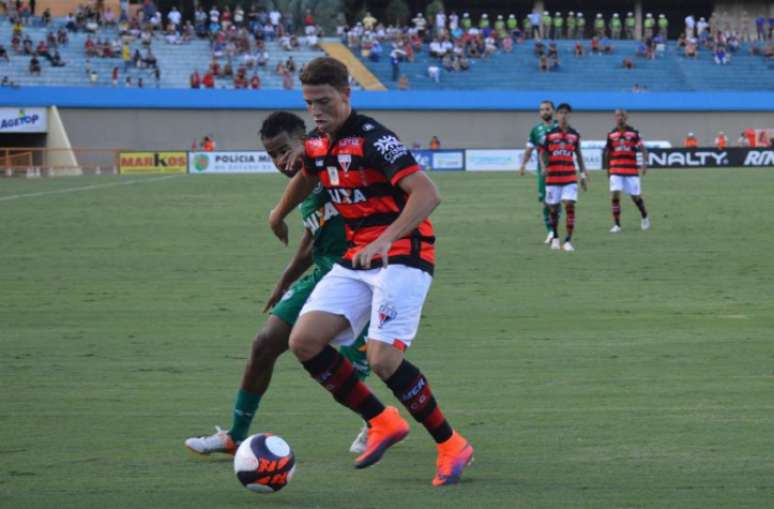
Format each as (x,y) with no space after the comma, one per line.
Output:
(86,188)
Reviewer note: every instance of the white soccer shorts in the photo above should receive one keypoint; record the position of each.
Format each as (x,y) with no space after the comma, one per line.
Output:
(558,194)
(629,185)
(390,297)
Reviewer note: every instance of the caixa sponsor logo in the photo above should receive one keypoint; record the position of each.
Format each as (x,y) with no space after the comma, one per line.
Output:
(759,158)
(682,159)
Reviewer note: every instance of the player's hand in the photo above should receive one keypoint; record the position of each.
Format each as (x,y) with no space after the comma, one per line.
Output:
(365,256)
(644,169)
(521,171)
(292,161)
(279,227)
(584,182)
(275,297)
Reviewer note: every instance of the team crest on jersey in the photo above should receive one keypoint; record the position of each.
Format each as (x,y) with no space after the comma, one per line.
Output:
(333,175)
(345,160)
(386,313)
(319,163)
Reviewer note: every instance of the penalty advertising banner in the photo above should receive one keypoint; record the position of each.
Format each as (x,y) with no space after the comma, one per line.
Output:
(710,158)
(256,161)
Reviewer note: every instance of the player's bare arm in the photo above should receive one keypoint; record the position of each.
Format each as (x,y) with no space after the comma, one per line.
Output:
(423,198)
(298,189)
(606,161)
(301,261)
(584,174)
(644,165)
(524,159)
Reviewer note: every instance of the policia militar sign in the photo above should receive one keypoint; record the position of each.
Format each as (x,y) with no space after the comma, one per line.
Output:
(709,158)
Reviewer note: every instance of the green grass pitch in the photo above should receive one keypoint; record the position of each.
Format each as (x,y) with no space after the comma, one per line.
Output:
(635,372)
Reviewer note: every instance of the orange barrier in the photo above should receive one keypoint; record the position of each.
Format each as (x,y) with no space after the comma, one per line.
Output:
(45,162)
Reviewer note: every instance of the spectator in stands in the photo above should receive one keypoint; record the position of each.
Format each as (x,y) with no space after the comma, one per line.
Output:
(627,63)
(290,64)
(4,54)
(435,143)
(721,57)
(768,51)
(403,83)
(174,17)
(743,140)
(691,49)
(595,45)
(209,80)
(691,141)
(255,82)
(690,25)
(579,49)
(287,80)
(56,59)
(35,68)
(721,141)
(208,144)
(543,63)
(447,62)
(396,55)
(760,27)
(114,76)
(605,46)
(434,73)
(195,80)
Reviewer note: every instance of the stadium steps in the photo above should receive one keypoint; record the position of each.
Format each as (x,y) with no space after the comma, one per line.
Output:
(356,68)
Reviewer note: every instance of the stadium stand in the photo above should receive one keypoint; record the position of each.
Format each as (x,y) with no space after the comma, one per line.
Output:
(518,71)
(176,61)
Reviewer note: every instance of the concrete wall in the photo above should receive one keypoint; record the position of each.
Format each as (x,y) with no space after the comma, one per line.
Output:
(177,129)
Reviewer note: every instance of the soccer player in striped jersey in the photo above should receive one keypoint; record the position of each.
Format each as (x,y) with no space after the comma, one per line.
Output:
(385,200)
(561,151)
(323,243)
(536,138)
(623,171)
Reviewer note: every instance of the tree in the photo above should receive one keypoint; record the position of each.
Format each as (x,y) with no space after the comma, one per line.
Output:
(397,13)
(434,8)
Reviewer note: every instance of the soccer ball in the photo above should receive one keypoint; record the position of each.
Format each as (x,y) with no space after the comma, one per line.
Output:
(264,463)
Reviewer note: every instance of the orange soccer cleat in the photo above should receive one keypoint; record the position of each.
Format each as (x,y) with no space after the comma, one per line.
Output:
(386,429)
(453,456)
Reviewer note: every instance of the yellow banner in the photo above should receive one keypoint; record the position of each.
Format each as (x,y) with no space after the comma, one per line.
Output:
(140,163)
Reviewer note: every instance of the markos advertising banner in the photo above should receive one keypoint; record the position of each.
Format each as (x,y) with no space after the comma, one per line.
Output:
(230,162)
(23,120)
(144,163)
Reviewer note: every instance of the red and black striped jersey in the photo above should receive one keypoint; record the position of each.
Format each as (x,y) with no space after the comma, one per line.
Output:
(361,169)
(622,147)
(561,146)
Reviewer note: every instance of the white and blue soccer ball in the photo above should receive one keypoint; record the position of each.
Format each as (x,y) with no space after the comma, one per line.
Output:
(264,463)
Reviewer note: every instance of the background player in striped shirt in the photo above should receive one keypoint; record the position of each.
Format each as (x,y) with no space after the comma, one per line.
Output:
(536,138)
(623,171)
(561,151)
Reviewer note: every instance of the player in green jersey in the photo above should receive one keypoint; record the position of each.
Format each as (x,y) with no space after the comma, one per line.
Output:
(323,243)
(536,137)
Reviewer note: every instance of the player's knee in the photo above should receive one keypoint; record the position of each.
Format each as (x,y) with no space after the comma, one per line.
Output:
(302,346)
(268,345)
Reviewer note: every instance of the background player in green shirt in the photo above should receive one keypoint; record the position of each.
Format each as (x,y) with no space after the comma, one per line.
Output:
(324,242)
(536,138)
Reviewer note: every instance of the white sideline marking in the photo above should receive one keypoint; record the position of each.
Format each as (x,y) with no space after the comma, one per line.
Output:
(85,188)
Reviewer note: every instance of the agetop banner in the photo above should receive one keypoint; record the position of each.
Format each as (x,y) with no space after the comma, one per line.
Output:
(710,158)
(257,161)
(23,120)
(440,160)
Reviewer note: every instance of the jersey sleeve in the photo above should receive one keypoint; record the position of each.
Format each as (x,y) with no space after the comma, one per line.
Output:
(387,154)
(532,140)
